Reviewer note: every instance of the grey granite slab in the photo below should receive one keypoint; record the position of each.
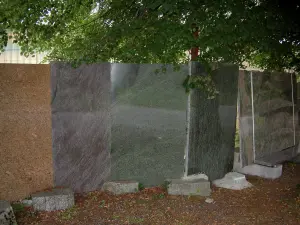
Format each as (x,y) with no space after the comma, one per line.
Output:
(273,113)
(270,118)
(148,123)
(213,125)
(81,125)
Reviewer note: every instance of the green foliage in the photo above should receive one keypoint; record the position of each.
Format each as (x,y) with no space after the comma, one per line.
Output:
(135,220)
(102,204)
(158,196)
(165,185)
(18,207)
(265,33)
(202,82)
(141,187)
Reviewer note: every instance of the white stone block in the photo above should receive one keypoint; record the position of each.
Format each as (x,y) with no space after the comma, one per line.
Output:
(121,187)
(262,171)
(189,187)
(56,199)
(196,177)
(233,181)
(257,170)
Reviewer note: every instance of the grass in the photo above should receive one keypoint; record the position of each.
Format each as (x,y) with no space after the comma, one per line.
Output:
(18,207)
(68,214)
(165,185)
(135,220)
(141,187)
(102,204)
(158,196)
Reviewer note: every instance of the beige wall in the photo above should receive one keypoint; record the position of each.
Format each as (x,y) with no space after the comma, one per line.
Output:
(25,130)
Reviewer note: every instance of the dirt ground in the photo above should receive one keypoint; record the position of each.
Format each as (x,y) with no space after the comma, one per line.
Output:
(268,202)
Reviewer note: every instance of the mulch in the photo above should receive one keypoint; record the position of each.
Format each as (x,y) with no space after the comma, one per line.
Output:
(268,202)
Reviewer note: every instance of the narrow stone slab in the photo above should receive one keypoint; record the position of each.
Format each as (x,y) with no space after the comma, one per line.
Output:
(233,181)
(189,187)
(121,187)
(7,216)
(56,199)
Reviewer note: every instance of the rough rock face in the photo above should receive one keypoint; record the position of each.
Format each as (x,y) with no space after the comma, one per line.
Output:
(7,216)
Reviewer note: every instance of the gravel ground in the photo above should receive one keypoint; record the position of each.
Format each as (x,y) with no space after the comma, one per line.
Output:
(268,202)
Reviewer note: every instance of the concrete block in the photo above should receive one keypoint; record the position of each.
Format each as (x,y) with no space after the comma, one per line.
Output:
(56,199)
(261,171)
(196,176)
(7,216)
(233,181)
(121,187)
(256,170)
(189,187)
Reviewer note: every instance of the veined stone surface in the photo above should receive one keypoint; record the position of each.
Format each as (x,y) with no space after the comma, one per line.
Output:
(81,125)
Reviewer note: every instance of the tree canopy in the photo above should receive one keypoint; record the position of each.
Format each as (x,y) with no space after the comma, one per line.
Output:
(265,33)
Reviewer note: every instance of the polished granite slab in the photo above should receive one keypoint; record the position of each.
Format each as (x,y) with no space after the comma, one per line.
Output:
(81,125)
(212,126)
(273,113)
(267,111)
(148,123)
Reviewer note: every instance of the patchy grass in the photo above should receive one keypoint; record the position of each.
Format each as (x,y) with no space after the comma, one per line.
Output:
(165,185)
(141,187)
(102,204)
(68,214)
(18,207)
(268,202)
(135,220)
(158,196)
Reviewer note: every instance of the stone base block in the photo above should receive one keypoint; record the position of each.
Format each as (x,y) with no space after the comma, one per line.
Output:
(189,187)
(261,171)
(233,181)
(56,199)
(121,187)
(195,177)
(7,216)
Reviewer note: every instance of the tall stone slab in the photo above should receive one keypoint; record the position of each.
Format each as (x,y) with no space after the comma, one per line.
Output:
(81,125)
(274,117)
(212,124)
(245,118)
(148,123)
(267,117)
